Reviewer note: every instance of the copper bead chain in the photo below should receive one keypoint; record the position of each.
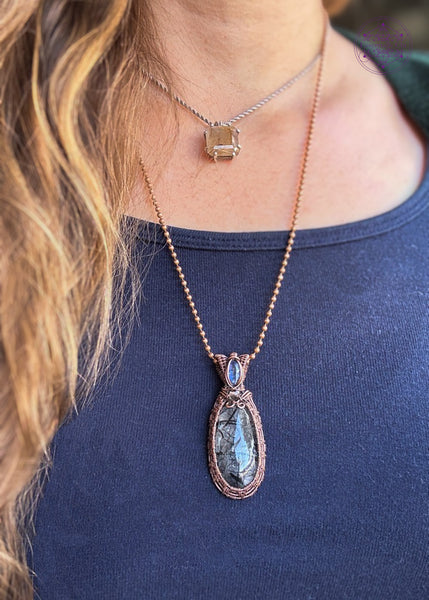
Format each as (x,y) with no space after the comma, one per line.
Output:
(292,233)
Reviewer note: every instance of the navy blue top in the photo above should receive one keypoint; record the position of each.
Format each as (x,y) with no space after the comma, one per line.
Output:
(341,384)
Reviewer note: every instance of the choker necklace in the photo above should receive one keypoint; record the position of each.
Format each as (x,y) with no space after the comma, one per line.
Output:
(235,444)
(221,138)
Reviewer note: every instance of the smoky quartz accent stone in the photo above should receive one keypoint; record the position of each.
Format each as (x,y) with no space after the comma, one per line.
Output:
(222,142)
(236,446)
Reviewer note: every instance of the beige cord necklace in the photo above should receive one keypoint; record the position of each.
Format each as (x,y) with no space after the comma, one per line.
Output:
(221,138)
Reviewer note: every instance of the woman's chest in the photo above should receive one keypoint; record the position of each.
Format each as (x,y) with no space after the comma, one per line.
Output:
(341,386)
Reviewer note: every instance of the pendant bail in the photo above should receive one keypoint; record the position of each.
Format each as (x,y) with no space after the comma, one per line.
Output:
(232,369)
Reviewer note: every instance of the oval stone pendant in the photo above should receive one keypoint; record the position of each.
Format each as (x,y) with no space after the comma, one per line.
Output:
(236,445)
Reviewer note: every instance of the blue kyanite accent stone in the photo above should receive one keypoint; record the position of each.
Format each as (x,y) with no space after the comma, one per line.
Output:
(234,371)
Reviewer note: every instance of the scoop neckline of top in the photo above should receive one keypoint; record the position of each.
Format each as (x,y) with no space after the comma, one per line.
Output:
(384,222)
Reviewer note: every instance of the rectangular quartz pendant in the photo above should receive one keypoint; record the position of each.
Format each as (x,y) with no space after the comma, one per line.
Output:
(222,142)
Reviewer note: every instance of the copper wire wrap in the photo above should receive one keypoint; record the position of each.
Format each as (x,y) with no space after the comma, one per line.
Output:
(292,233)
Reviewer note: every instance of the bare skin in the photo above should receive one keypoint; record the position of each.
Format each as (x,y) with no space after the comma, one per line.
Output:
(367,157)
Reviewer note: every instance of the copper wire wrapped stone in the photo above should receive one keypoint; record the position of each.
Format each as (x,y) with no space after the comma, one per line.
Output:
(236,445)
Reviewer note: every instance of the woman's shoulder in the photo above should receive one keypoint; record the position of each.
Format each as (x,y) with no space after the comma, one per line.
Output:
(407,71)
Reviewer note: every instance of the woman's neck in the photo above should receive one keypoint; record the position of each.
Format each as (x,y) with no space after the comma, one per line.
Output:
(226,55)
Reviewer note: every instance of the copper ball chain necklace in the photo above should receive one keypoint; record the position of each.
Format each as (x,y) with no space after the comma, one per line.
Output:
(236,444)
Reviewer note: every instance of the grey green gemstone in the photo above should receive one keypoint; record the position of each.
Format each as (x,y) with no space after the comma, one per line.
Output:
(236,446)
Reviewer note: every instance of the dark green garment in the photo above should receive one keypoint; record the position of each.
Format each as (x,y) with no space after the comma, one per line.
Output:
(409,77)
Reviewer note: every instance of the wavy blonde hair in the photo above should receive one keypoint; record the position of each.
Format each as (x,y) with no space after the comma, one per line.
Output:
(71,88)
